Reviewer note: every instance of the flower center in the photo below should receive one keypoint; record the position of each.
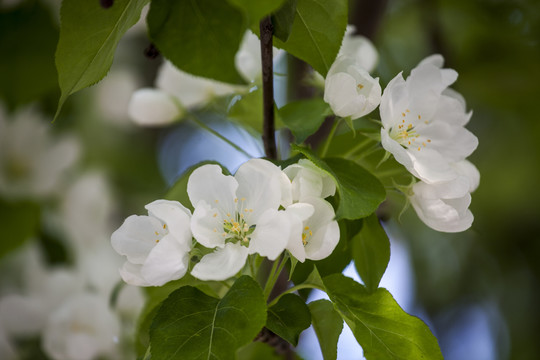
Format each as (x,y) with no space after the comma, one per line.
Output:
(406,133)
(306,234)
(161,232)
(235,226)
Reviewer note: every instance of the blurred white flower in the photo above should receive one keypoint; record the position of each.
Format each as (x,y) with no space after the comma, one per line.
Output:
(359,48)
(25,312)
(156,246)
(175,91)
(248,57)
(32,160)
(350,90)
(114,93)
(444,206)
(423,122)
(237,216)
(82,328)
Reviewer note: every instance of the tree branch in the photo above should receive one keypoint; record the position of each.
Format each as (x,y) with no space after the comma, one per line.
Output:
(268,137)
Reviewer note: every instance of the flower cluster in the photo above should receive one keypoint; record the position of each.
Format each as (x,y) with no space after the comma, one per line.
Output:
(260,210)
(423,127)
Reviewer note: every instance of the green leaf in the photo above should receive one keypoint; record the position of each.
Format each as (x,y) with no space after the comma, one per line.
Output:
(359,191)
(289,317)
(28,37)
(200,37)
(193,325)
(379,325)
(19,221)
(258,350)
(328,325)
(155,296)
(248,110)
(371,252)
(317,32)
(283,20)
(256,10)
(89,35)
(304,117)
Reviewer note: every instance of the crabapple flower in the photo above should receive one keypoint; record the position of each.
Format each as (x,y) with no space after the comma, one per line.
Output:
(157,246)
(175,91)
(236,216)
(423,122)
(32,161)
(350,90)
(360,48)
(444,206)
(307,180)
(248,58)
(82,328)
(314,232)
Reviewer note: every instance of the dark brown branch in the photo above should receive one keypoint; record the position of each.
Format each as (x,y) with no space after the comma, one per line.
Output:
(268,135)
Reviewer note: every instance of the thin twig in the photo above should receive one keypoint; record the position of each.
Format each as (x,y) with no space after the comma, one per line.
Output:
(268,136)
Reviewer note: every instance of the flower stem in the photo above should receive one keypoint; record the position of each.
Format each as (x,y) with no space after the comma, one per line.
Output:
(274,274)
(293,289)
(205,127)
(331,134)
(358,147)
(268,137)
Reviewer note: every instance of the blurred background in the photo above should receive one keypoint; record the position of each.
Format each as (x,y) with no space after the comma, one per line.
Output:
(477,290)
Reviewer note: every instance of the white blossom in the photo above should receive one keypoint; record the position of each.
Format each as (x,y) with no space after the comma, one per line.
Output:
(156,246)
(248,57)
(359,48)
(307,180)
(82,328)
(314,232)
(153,107)
(236,216)
(423,122)
(443,206)
(350,90)
(32,160)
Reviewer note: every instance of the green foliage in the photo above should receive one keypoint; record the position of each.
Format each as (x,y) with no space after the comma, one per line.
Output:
(200,37)
(209,327)
(258,350)
(19,221)
(317,32)
(371,252)
(328,325)
(304,117)
(247,110)
(256,10)
(283,20)
(360,192)
(379,325)
(89,35)
(29,36)
(288,318)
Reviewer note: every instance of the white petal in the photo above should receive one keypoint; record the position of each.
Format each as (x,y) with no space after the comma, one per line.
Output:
(295,244)
(207,225)
(400,154)
(151,107)
(394,98)
(209,184)
(260,184)
(136,237)
(361,49)
(176,216)
(271,234)
(325,230)
(167,261)
(301,210)
(467,169)
(222,263)
(131,274)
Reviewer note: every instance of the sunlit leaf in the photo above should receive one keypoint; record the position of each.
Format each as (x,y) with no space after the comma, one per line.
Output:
(89,35)
(379,325)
